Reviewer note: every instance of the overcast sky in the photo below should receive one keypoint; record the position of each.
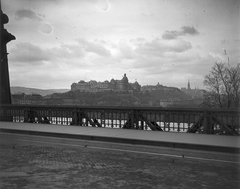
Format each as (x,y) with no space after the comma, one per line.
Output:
(59,42)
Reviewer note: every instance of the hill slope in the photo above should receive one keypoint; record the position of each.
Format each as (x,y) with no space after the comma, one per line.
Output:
(42,92)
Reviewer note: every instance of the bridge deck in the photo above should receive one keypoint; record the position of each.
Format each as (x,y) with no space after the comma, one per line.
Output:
(169,139)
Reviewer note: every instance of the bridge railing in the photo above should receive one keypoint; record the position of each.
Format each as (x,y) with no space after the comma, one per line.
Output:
(209,121)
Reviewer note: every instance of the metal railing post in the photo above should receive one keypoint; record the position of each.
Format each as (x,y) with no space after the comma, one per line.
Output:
(207,127)
(132,119)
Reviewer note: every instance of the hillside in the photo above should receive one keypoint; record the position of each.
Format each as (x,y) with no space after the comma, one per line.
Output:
(42,92)
(123,98)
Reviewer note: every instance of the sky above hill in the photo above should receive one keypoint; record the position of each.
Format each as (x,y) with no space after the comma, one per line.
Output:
(59,42)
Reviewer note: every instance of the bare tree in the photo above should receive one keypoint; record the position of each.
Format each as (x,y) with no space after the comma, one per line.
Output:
(223,86)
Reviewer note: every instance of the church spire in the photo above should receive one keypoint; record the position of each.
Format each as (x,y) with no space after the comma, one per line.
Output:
(188,85)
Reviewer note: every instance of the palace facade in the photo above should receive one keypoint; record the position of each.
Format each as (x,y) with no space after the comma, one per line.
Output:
(114,85)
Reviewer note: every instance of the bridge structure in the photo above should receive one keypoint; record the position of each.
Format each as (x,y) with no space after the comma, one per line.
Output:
(207,121)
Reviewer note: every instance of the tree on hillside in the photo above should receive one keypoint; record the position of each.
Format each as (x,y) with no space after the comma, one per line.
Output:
(223,86)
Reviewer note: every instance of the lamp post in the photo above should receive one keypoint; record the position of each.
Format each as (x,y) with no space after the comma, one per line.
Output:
(5,93)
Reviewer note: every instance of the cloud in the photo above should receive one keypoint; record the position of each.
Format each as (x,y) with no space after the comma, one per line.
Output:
(43,1)
(179,46)
(168,35)
(125,49)
(25,13)
(67,52)
(189,30)
(150,55)
(26,52)
(158,47)
(94,47)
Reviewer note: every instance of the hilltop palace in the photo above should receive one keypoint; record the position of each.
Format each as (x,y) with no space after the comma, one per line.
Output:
(114,85)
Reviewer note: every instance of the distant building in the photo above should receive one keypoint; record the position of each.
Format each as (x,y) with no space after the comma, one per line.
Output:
(152,87)
(115,85)
(194,93)
(158,87)
(120,85)
(180,103)
(54,100)
(168,102)
(33,99)
(135,86)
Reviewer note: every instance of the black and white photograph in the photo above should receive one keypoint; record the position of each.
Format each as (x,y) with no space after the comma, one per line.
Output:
(131,94)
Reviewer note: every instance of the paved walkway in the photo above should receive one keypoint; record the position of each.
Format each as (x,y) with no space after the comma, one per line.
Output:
(30,161)
(154,138)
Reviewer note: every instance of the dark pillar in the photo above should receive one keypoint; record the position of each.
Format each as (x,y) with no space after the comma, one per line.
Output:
(5,93)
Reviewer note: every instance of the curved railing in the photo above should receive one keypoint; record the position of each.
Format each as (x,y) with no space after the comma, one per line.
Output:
(209,121)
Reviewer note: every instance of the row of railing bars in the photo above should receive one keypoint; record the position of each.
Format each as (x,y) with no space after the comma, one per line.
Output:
(210,121)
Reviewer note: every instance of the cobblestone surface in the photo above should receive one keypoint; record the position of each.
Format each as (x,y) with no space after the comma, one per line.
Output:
(42,165)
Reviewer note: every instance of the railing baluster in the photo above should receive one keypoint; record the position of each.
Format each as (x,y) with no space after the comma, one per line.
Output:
(61,117)
(120,119)
(178,123)
(112,124)
(104,119)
